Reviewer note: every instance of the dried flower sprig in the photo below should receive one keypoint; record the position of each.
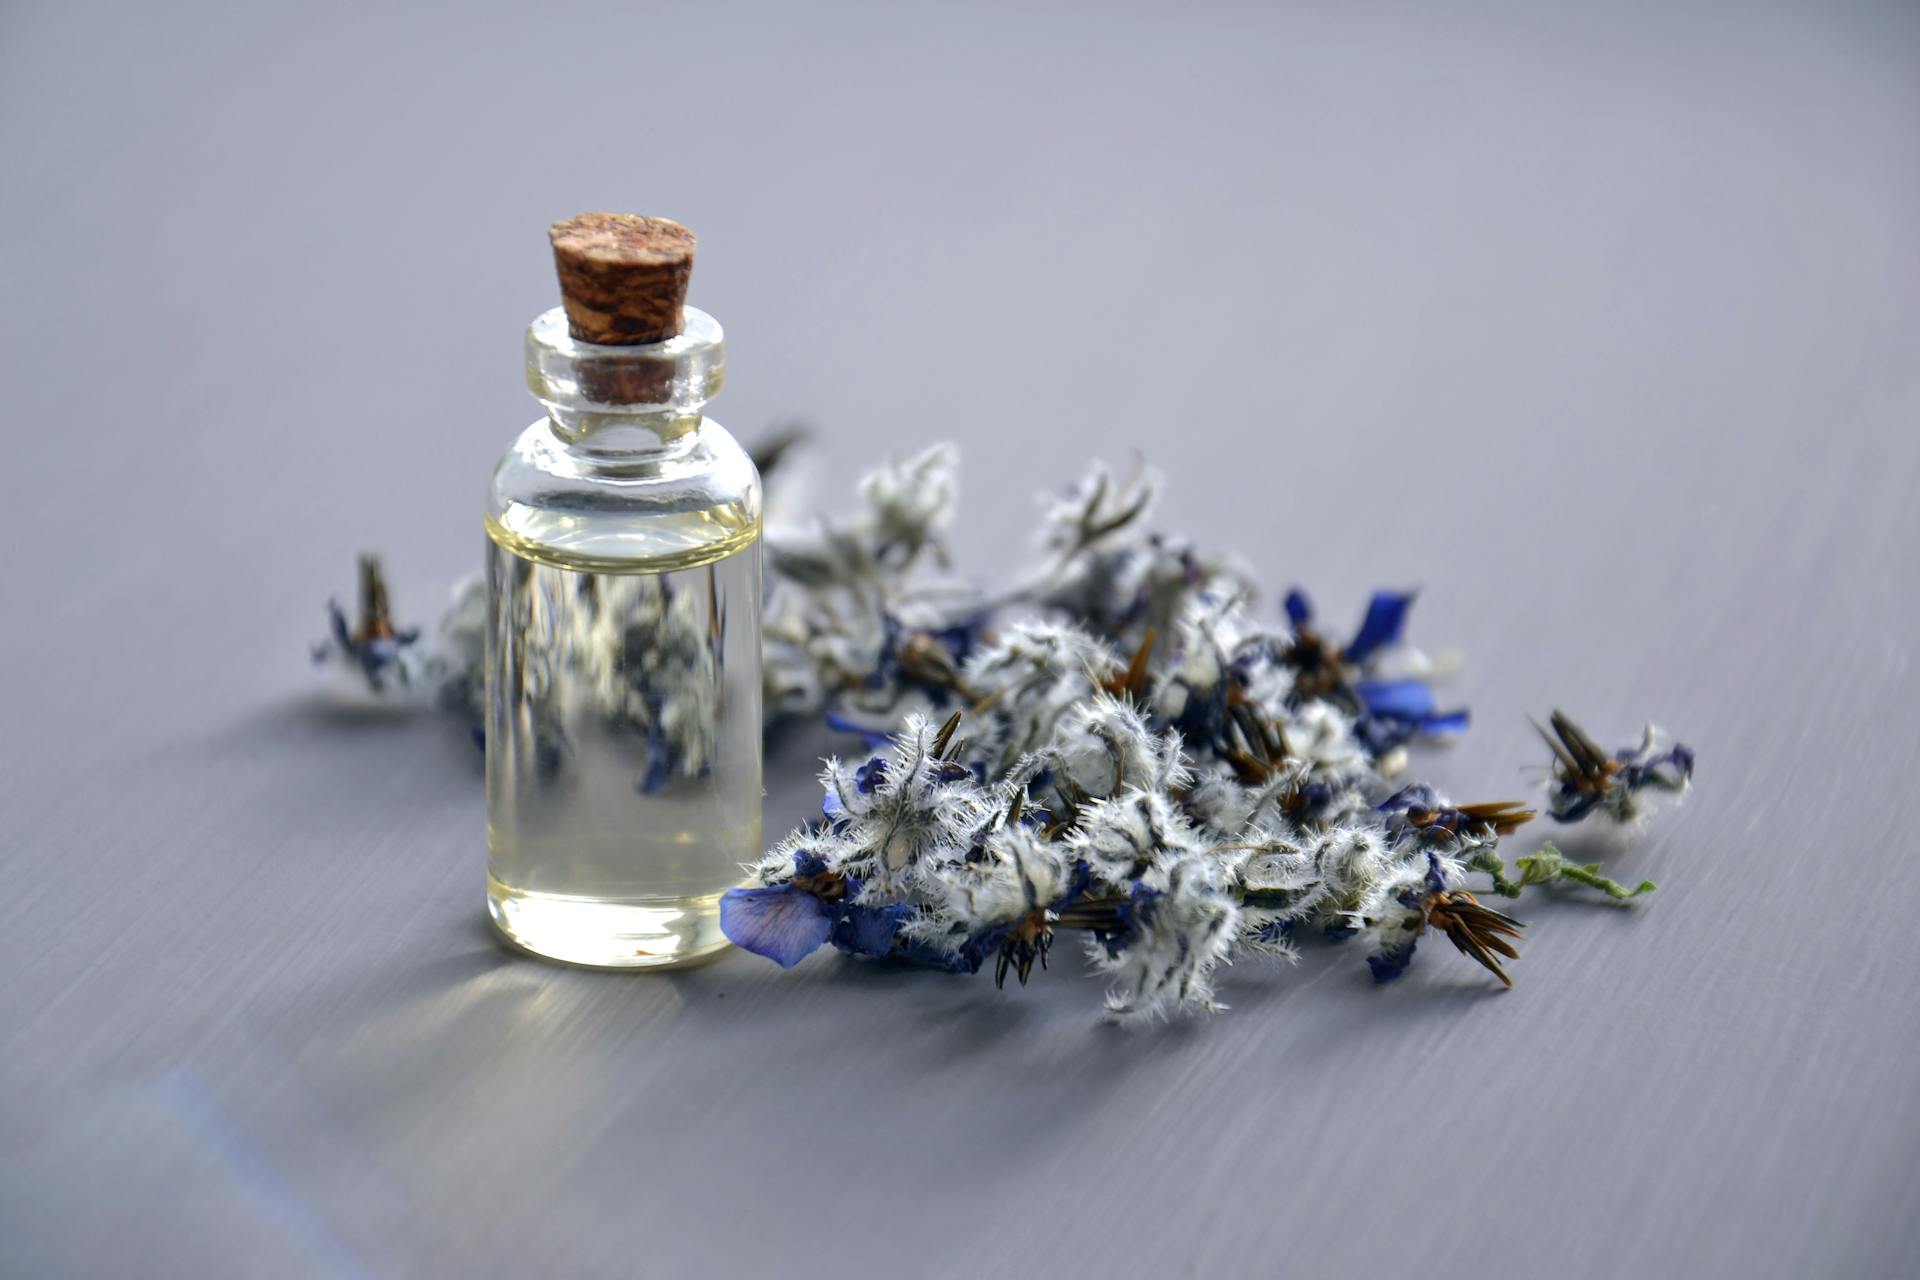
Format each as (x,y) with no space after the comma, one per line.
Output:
(387,658)
(1474,930)
(1620,787)
(1126,750)
(1170,855)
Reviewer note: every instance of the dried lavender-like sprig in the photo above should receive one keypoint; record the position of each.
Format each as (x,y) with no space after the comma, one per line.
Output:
(1179,780)
(1621,787)
(384,656)
(1475,930)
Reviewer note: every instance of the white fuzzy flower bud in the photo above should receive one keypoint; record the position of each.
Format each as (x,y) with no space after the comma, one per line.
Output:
(1182,925)
(1103,747)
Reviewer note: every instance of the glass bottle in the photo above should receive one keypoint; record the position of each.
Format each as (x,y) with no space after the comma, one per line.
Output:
(623,654)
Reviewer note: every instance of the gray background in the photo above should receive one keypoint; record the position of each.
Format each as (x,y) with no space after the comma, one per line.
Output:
(1597,321)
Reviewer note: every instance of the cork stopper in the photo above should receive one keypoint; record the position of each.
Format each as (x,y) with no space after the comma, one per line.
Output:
(623,277)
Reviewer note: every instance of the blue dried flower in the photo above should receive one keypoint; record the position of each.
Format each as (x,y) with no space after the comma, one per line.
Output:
(869,930)
(1418,812)
(1388,712)
(381,652)
(1477,931)
(1392,959)
(1586,780)
(788,922)
(866,779)
(1397,710)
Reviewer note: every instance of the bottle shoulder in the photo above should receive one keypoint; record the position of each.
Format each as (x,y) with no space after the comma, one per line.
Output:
(695,502)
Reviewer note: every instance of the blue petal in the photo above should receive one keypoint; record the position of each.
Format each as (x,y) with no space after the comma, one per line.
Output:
(1386,619)
(380,651)
(1444,722)
(974,952)
(870,775)
(1275,931)
(783,923)
(1396,699)
(868,931)
(1381,734)
(1390,962)
(337,623)
(875,737)
(1570,803)
(1417,796)
(960,640)
(1203,716)
(1299,608)
(1670,769)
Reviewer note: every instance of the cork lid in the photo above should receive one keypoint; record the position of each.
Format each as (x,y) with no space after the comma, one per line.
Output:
(623,277)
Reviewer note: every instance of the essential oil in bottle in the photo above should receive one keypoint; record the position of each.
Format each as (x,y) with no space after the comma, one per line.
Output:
(623,628)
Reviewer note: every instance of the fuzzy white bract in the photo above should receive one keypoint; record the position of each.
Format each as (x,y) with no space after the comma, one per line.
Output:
(1103,746)
(1183,925)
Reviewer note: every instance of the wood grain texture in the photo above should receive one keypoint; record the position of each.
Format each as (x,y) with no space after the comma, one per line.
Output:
(1607,315)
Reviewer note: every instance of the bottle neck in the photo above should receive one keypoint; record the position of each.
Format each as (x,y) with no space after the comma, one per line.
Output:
(615,436)
(625,406)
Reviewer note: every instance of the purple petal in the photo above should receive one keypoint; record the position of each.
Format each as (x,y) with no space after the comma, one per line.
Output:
(784,923)
(1299,608)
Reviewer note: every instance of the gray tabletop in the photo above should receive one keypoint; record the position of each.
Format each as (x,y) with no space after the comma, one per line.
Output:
(1599,322)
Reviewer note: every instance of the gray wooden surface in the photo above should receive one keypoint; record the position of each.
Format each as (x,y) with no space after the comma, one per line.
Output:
(1597,321)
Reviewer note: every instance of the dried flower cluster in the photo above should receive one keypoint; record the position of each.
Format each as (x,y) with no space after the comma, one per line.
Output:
(1123,746)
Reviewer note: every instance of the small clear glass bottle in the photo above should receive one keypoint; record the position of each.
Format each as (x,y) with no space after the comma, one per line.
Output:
(623,654)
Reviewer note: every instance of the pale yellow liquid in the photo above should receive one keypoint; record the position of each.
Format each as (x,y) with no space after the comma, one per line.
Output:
(623,746)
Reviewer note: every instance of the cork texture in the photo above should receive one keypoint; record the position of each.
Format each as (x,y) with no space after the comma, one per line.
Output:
(623,277)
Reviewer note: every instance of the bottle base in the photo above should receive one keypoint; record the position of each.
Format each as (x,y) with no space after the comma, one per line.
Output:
(603,933)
